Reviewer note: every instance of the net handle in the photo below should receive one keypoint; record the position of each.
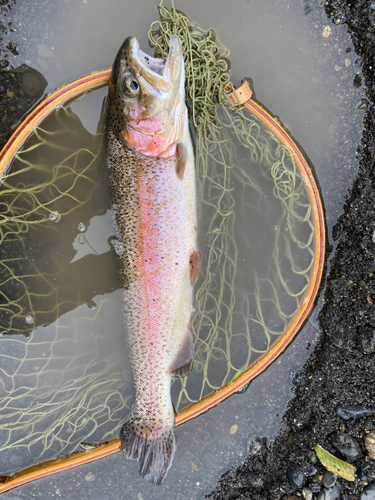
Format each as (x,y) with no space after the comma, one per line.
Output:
(99,79)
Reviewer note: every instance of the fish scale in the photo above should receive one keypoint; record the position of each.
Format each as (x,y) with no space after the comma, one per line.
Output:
(153,193)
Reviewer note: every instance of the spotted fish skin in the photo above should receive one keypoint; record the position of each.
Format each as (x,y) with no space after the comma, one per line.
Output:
(152,184)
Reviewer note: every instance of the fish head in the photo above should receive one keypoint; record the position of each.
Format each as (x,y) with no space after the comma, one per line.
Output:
(147,98)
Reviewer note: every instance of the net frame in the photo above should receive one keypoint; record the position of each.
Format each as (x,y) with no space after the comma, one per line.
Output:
(99,79)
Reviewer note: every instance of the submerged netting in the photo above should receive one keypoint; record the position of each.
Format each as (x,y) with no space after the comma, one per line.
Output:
(50,178)
(62,381)
(255,235)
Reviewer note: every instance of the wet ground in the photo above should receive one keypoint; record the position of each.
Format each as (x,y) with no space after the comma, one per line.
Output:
(340,372)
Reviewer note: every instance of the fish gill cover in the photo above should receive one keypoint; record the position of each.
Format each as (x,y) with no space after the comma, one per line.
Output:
(252,204)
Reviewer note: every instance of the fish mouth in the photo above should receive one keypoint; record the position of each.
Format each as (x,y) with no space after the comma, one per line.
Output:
(159,73)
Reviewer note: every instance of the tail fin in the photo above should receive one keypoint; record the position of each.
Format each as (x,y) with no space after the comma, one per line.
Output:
(153,452)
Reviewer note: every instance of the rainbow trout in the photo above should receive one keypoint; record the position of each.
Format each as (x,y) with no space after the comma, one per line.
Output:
(152,183)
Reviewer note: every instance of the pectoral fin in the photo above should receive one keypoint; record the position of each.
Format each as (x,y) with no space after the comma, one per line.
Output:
(181,160)
(183,362)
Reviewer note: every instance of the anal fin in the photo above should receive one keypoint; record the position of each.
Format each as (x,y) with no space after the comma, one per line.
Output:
(183,362)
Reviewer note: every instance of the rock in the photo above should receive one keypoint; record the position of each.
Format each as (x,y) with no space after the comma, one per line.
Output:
(329,479)
(295,476)
(368,493)
(370,444)
(357,81)
(336,231)
(315,487)
(311,455)
(366,339)
(257,445)
(308,469)
(307,494)
(347,445)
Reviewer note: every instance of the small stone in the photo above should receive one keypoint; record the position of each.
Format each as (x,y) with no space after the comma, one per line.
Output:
(29,319)
(333,493)
(90,477)
(308,469)
(257,444)
(357,82)
(347,445)
(307,494)
(326,31)
(336,231)
(368,493)
(311,455)
(336,67)
(329,479)
(81,227)
(347,63)
(233,429)
(10,94)
(366,339)
(366,471)
(362,105)
(370,444)
(337,341)
(295,476)
(315,487)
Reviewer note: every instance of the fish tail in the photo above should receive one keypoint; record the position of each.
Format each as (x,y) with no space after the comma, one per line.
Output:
(153,450)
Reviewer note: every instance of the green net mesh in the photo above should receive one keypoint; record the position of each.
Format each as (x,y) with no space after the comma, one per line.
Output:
(242,305)
(66,383)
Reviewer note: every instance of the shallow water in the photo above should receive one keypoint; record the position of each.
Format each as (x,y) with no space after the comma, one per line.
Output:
(64,290)
(300,76)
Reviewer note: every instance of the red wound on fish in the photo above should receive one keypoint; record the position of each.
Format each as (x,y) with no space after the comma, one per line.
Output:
(181,160)
(183,362)
(194,260)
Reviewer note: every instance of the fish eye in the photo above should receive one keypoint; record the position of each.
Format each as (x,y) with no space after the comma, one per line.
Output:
(129,87)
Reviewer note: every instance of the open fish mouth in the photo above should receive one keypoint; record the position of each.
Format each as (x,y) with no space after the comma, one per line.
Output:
(158,73)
